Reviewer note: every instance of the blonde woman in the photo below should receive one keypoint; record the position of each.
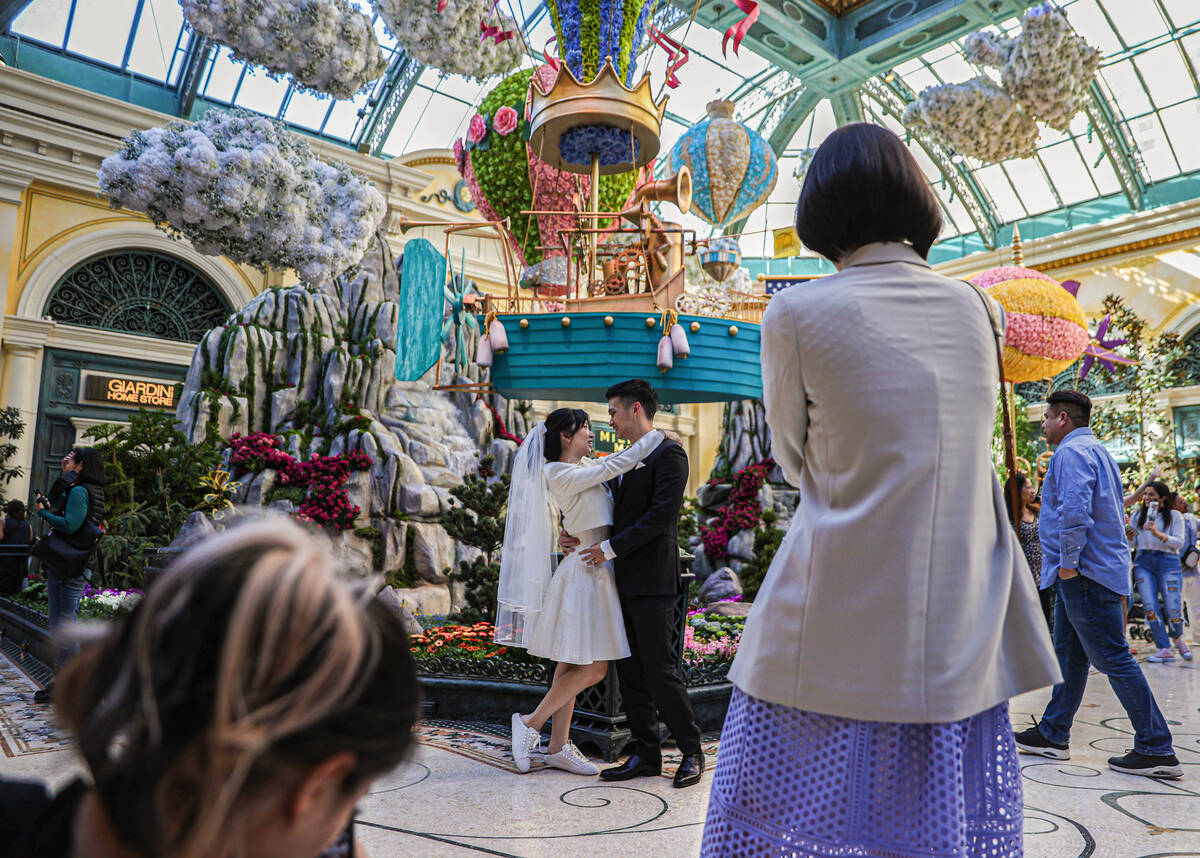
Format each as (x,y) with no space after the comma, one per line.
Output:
(241,709)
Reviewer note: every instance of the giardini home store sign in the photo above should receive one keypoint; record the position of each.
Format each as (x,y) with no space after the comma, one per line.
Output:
(131,392)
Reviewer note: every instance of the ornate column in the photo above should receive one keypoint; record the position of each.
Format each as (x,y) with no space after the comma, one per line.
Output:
(24,343)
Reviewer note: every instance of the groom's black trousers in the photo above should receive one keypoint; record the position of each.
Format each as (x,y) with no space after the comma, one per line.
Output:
(649,678)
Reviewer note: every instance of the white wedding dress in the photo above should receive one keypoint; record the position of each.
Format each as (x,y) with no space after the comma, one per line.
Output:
(580,620)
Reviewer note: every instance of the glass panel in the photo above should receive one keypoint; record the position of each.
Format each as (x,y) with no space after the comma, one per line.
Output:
(1068,173)
(1152,143)
(414,109)
(261,93)
(959,221)
(1191,44)
(1031,185)
(100,30)
(1098,164)
(1166,75)
(44,20)
(1085,16)
(156,38)
(223,77)
(1136,22)
(1182,12)
(343,119)
(307,110)
(1183,127)
(1128,91)
(1007,203)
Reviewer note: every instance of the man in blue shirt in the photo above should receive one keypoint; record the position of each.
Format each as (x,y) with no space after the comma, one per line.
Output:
(1086,557)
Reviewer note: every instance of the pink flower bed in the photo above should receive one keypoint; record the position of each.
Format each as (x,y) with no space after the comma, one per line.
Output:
(741,512)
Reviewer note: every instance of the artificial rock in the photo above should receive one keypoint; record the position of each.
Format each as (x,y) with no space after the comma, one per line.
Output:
(722,584)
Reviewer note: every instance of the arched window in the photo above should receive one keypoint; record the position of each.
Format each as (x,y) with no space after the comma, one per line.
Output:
(139,292)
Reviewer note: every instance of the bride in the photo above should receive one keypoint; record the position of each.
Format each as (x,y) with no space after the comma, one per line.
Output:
(570,615)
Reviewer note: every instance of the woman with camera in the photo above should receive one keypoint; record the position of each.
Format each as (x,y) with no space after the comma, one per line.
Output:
(65,550)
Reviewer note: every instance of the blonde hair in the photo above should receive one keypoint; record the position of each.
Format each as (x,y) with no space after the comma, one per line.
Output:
(246,663)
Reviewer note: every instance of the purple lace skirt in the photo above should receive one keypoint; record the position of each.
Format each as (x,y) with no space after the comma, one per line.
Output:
(794,783)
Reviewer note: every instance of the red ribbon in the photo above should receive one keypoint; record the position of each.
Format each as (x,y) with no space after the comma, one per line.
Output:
(553,62)
(677,54)
(738,31)
(442,6)
(493,32)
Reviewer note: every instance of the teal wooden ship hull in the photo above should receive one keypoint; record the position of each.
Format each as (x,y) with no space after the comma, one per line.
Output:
(552,361)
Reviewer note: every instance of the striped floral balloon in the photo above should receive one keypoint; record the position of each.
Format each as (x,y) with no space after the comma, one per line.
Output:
(1046,330)
(733,168)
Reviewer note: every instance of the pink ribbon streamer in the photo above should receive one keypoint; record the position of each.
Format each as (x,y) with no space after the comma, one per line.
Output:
(738,31)
(677,54)
(442,6)
(553,62)
(493,32)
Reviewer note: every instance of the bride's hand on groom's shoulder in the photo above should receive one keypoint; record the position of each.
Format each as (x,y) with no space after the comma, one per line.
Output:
(672,436)
(566,542)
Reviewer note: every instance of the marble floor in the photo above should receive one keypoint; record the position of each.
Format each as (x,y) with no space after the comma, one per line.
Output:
(459,796)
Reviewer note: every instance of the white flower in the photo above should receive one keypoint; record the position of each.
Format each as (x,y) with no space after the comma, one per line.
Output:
(449,41)
(975,118)
(243,186)
(325,45)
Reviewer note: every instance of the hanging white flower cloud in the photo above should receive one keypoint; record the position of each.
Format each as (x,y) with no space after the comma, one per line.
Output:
(975,118)
(327,46)
(1045,72)
(240,185)
(449,40)
(1048,67)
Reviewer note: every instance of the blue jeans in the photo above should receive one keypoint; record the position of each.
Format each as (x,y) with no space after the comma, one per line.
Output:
(1156,572)
(64,594)
(1088,630)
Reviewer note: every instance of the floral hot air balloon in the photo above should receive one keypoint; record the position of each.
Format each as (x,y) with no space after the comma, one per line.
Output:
(733,167)
(1046,330)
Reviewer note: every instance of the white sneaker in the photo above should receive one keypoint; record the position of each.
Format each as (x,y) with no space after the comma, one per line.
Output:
(1184,649)
(571,759)
(1162,655)
(525,741)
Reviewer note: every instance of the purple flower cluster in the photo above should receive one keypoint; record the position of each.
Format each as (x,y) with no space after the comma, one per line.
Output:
(639,33)
(572,27)
(741,512)
(578,144)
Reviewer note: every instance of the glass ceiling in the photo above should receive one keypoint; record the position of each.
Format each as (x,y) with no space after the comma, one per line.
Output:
(1150,79)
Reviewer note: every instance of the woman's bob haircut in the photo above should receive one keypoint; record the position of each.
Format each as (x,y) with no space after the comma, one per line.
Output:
(864,186)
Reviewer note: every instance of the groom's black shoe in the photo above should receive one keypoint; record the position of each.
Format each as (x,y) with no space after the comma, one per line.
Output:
(634,767)
(689,770)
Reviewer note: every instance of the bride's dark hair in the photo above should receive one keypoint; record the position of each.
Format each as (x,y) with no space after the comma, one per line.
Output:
(562,421)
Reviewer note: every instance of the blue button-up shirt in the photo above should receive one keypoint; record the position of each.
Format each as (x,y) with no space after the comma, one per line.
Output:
(1082,524)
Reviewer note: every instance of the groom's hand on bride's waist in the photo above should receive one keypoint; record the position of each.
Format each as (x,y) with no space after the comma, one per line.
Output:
(566,542)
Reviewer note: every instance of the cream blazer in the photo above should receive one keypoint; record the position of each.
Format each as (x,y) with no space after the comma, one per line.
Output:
(900,592)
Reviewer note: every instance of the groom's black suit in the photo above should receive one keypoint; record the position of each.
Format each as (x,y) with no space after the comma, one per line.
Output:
(645,524)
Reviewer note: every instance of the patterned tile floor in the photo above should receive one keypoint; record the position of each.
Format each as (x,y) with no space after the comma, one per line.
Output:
(459,796)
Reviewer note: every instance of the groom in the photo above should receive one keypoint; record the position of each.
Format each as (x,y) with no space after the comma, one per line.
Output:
(644,550)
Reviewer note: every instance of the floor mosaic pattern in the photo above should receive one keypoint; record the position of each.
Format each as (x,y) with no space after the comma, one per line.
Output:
(460,795)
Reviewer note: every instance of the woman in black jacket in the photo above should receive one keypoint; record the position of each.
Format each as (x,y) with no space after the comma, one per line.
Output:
(85,503)
(18,534)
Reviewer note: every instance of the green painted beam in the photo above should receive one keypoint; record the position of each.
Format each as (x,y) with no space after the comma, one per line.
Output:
(195,61)
(401,79)
(893,97)
(1102,115)
(847,107)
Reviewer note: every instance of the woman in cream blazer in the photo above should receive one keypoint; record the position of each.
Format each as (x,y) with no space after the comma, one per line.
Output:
(899,616)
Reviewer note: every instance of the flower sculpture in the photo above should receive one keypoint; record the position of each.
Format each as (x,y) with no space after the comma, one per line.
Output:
(589,32)
(1047,67)
(445,34)
(506,177)
(325,45)
(1046,330)
(733,167)
(241,185)
(975,118)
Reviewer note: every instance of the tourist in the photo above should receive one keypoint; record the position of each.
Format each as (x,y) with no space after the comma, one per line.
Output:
(81,508)
(1085,556)
(572,614)
(1025,520)
(18,535)
(1157,570)
(870,708)
(242,708)
(1189,563)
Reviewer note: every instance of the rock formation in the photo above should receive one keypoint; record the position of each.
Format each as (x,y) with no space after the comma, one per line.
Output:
(314,366)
